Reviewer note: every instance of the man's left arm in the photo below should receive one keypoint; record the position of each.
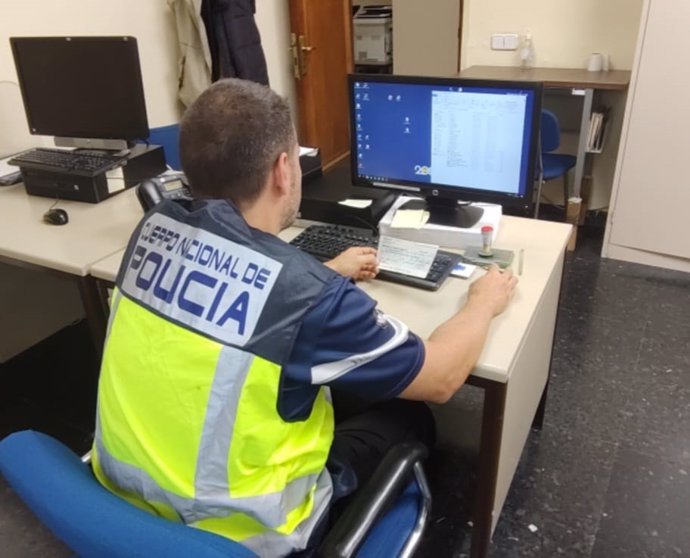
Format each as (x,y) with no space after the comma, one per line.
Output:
(360,263)
(346,343)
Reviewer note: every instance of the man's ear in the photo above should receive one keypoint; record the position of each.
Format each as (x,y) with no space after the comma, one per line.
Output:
(281,174)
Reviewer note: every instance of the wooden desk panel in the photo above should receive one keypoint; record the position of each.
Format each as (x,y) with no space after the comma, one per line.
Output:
(553,77)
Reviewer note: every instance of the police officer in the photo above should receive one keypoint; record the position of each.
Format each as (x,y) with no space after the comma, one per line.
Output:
(227,347)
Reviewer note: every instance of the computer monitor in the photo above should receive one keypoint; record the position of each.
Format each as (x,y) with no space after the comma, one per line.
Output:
(449,140)
(85,91)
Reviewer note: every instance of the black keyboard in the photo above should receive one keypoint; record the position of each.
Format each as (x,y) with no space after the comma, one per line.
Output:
(83,162)
(325,242)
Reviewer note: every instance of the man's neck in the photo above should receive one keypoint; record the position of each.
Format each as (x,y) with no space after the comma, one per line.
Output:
(261,218)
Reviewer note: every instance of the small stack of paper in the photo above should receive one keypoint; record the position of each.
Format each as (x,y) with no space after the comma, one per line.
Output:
(410,219)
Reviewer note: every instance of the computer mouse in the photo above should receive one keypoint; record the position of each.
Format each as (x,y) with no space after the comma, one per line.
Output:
(56,217)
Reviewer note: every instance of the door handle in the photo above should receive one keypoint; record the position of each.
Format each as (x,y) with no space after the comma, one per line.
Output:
(299,49)
(296,57)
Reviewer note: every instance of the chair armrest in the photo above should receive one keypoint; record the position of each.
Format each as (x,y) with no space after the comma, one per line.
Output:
(373,500)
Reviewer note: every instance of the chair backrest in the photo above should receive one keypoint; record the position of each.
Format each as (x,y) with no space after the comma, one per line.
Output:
(168,137)
(67,498)
(550,131)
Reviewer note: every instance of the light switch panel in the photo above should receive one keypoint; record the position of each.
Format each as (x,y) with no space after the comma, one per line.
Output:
(510,41)
(497,42)
(504,41)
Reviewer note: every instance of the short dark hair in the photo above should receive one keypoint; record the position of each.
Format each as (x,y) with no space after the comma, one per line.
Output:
(231,136)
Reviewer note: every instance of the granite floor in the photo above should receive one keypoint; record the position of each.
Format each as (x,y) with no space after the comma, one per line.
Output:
(608,476)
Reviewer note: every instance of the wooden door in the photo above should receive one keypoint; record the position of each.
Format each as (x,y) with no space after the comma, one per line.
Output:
(321,45)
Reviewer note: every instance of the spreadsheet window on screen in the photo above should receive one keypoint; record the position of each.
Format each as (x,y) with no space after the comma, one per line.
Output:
(465,137)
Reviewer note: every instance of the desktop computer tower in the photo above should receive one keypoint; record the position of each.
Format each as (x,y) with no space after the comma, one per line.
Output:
(143,162)
(324,199)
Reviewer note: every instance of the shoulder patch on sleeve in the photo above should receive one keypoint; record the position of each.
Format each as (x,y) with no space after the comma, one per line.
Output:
(329,371)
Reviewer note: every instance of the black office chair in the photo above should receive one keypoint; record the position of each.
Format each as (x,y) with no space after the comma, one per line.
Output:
(385,519)
(552,165)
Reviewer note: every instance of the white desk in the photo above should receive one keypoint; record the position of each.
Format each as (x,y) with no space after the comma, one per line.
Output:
(94,232)
(514,367)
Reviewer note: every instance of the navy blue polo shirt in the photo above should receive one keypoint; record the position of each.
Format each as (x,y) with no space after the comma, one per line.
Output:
(346,343)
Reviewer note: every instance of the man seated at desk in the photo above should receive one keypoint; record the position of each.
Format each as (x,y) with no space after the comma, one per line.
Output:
(225,344)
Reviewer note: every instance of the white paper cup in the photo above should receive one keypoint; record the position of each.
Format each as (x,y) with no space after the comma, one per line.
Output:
(595,62)
(605,62)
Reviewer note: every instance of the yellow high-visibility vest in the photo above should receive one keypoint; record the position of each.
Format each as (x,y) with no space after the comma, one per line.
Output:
(187,425)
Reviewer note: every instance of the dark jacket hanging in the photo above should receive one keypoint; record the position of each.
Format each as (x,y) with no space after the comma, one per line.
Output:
(234,40)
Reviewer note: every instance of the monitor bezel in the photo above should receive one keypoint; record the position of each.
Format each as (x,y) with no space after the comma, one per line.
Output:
(141,131)
(514,204)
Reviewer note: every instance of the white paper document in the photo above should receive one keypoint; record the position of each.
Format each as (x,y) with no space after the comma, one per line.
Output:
(405,256)
(5,169)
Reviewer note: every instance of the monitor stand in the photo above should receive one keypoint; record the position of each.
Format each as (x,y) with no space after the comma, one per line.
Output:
(447,212)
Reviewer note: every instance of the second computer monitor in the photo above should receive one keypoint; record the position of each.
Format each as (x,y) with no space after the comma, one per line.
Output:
(448,140)
(85,91)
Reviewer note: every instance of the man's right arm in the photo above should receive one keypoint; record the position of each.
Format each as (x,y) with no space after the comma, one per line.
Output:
(453,348)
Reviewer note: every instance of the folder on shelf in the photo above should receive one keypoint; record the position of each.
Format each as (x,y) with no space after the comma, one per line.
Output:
(597,127)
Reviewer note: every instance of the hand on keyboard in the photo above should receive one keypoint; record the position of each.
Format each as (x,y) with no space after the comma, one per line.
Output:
(359,262)
(329,242)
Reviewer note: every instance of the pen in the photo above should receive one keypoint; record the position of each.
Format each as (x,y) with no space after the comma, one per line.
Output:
(521,260)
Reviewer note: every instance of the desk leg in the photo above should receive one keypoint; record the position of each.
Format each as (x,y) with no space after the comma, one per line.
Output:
(538,421)
(95,301)
(582,143)
(489,453)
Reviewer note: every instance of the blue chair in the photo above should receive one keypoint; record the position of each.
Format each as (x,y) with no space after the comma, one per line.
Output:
(385,519)
(552,165)
(168,137)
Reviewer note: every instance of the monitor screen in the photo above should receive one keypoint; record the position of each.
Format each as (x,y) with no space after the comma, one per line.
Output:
(81,87)
(447,138)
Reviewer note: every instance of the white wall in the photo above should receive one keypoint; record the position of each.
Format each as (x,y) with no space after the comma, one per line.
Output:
(152,23)
(565,31)
(273,21)
(425,37)
(149,21)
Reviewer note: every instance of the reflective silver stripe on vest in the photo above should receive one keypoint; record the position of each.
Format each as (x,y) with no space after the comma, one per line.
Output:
(211,484)
(137,481)
(274,544)
(211,479)
(114,303)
